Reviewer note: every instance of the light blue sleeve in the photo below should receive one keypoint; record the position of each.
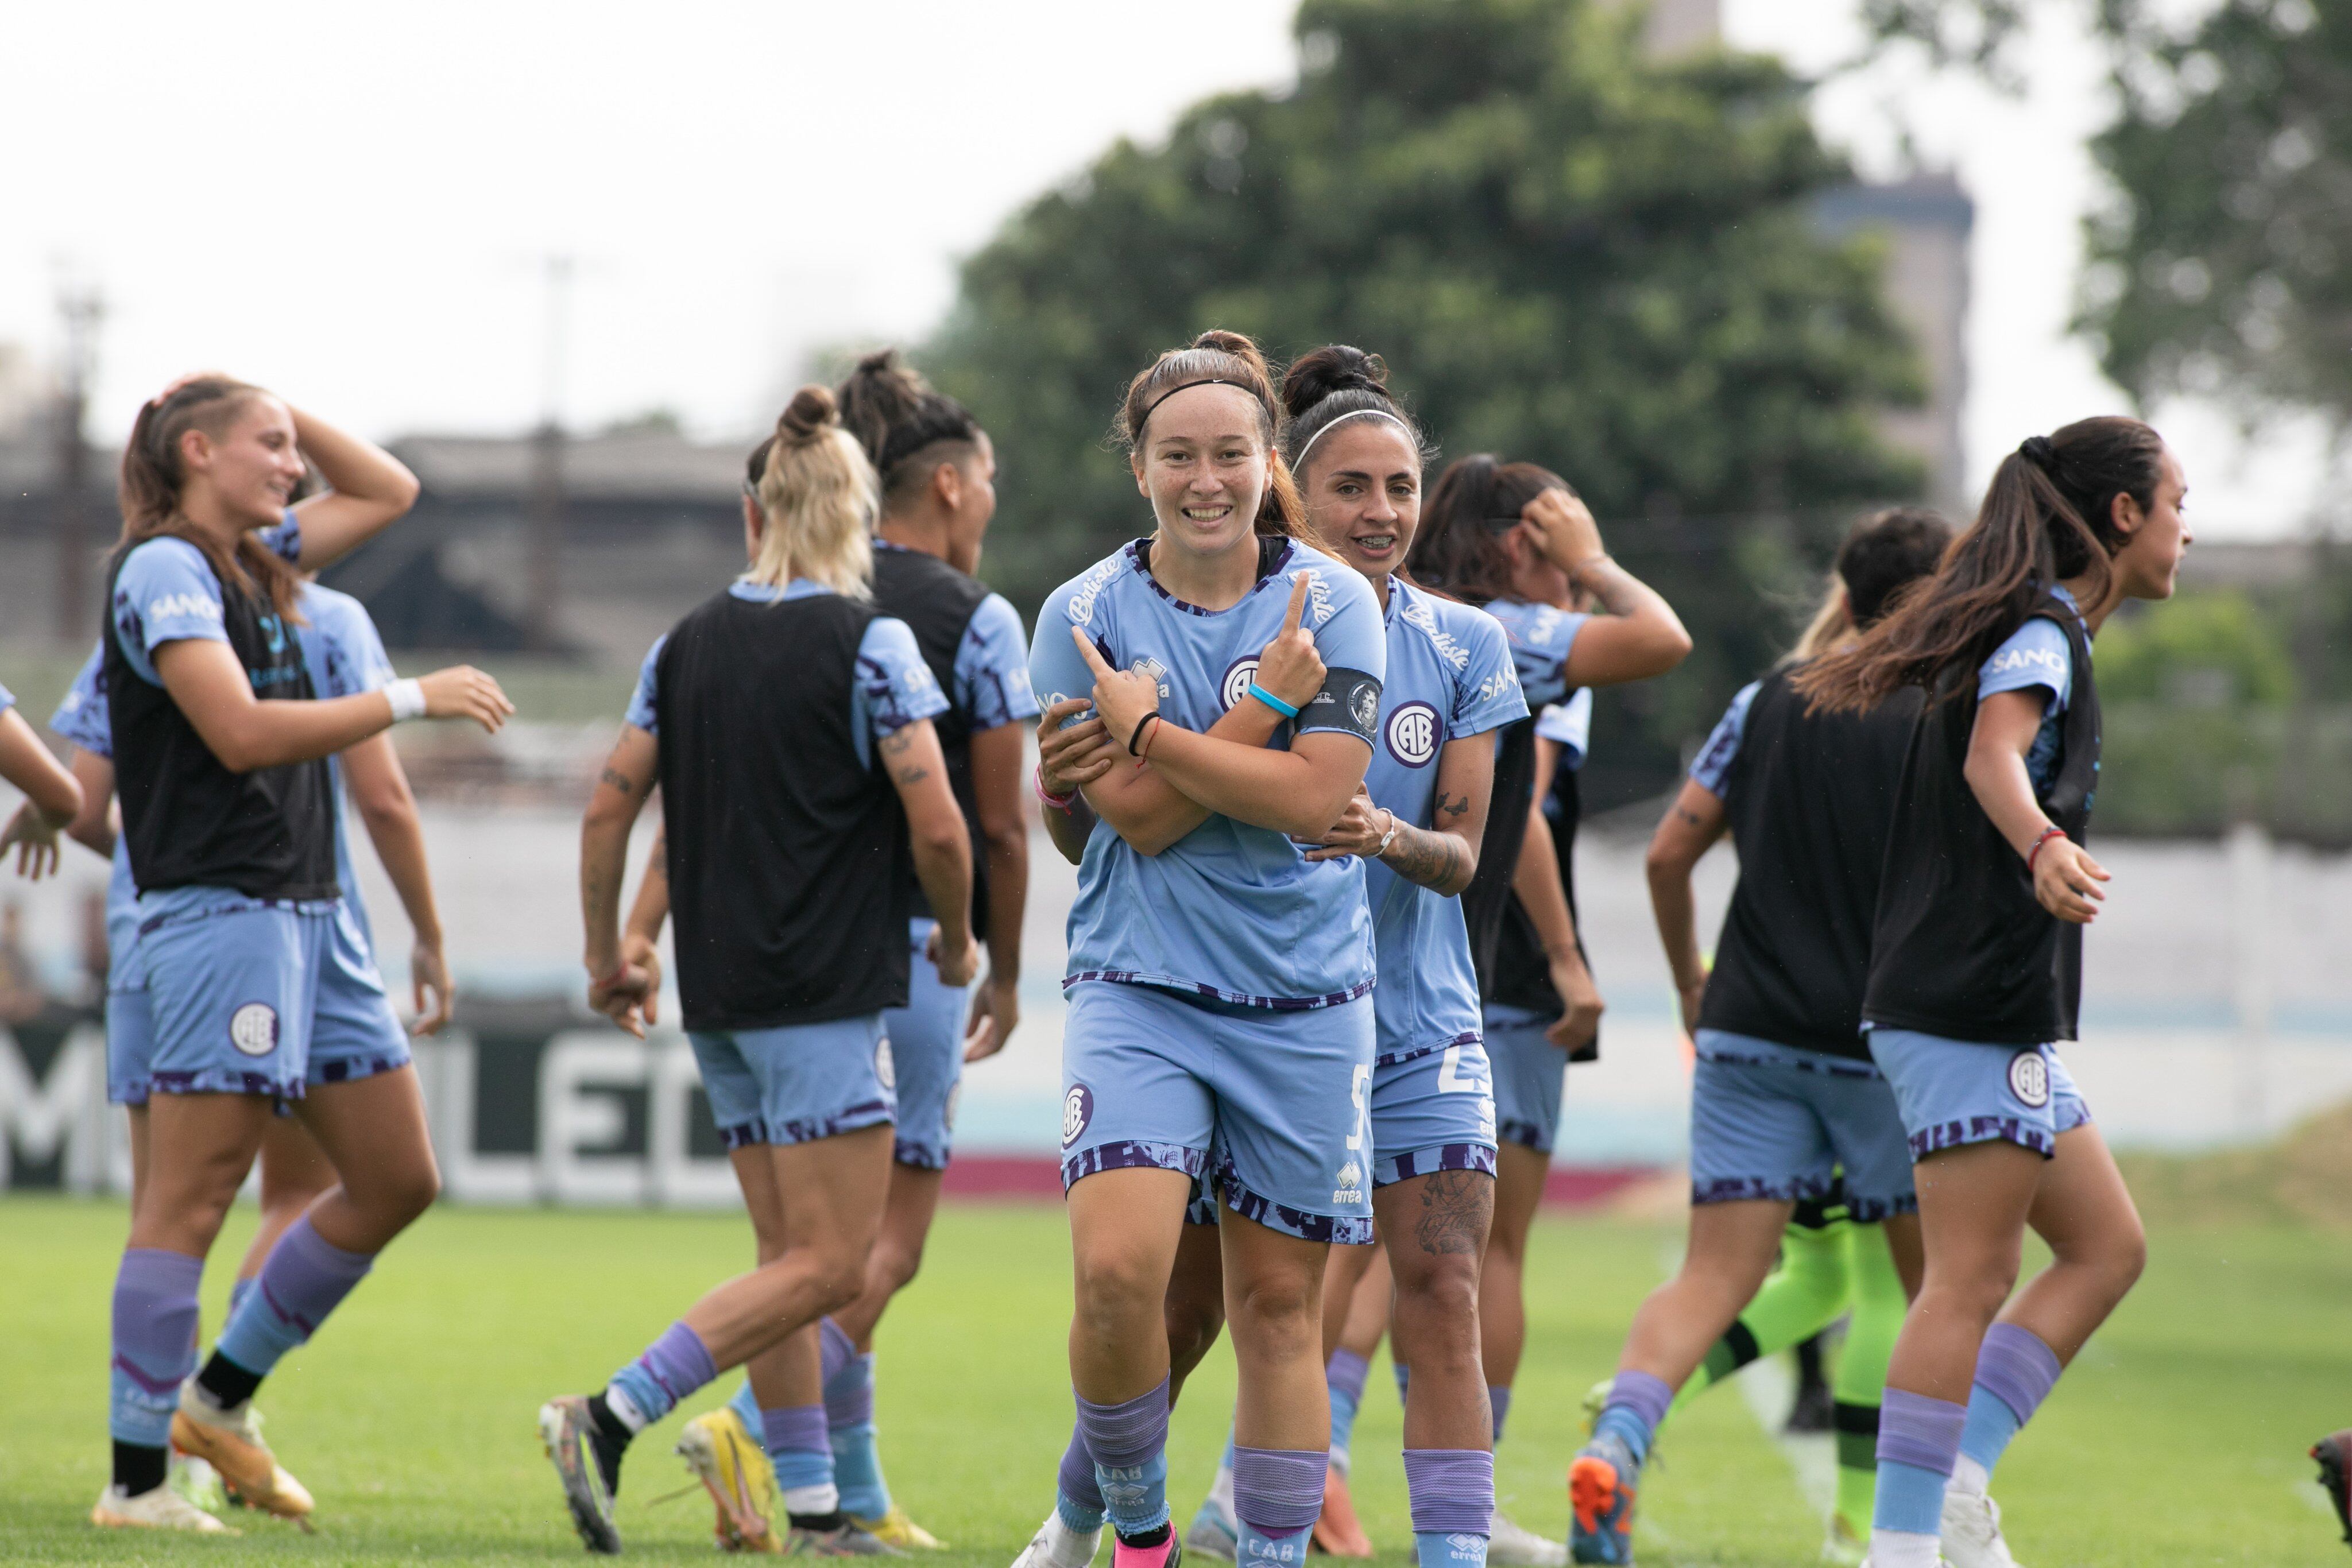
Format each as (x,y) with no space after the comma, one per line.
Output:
(1055,670)
(2036,655)
(1351,634)
(166,593)
(641,701)
(992,668)
(1713,763)
(1487,693)
(370,667)
(82,715)
(7,699)
(283,540)
(1542,636)
(1569,724)
(894,687)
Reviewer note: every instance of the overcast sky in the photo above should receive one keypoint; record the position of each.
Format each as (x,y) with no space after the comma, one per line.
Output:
(355,204)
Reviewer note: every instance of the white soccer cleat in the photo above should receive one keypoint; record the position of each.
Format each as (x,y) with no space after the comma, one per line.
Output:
(1511,1545)
(1971,1529)
(159,1509)
(197,1482)
(1057,1545)
(229,1439)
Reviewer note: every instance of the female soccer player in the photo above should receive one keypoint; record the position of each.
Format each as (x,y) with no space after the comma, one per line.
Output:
(1784,1097)
(219,745)
(1516,540)
(1218,992)
(1975,963)
(767,705)
(936,469)
(52,797)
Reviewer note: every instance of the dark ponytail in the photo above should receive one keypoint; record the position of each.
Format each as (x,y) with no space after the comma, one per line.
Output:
(153,475)
(905,425)
(1338,382)
(2048,516)
(1232,359)
(1459,548)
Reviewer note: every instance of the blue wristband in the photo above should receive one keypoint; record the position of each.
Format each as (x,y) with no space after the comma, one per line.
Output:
(1270,700)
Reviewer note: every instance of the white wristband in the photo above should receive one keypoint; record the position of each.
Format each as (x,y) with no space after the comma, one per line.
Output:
(407,698)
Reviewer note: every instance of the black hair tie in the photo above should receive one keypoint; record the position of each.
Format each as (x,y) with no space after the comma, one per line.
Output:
(2037,450)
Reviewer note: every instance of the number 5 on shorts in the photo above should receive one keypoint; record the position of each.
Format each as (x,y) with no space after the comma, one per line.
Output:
(1363,1112)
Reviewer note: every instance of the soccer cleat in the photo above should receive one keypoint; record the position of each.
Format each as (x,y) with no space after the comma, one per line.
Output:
(1596,1400)
(893,1529)
(842,1540)
(2334,1453)
(1843,1546)
(735,1472)
(1169,1553)
(1600,1500)
(1214,1533)
(158,1508)
(564,1427)
(1972,1529)
(200,1484)
(230,1441)
(1057,1545)
(1513,1545)
(1337,1531)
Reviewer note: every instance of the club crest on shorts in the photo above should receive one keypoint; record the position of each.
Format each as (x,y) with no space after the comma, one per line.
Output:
(1077,1110)
(1238,676)
(2029,1078)
(1412,734)
(253,1029)
(886,1067)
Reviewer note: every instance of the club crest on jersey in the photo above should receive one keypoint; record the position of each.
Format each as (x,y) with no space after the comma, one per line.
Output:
(2029,1078)
(1239,675)
(1077,1110)
(1151,670)
(1412,734)
(886,1067)
(253,1029)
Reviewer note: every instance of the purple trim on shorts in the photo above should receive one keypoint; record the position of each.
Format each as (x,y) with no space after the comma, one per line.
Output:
(1761,1189)
(1341,1230)
(1527,1134)
(1815,1062)
(806,1129)
(1399,1058)
(1129,1155)
(242,906)
(350,1070)
(919,1155)
(224,1081)
(1391,1169)
(1955,1134)
(1234,999)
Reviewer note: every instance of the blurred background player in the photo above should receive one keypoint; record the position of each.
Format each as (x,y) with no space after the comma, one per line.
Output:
(1976,958)
(52,797)
(219,745)
(769,705)
(1219,979)
(1784,1096)
(1514,539)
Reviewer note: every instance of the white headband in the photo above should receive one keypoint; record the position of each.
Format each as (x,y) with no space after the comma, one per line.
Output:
(1352,414)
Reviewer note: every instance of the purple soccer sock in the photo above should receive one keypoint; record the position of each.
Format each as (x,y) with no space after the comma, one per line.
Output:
(154,1342)
(649,1387)
(2015,1371)
(1081,1500)
(303,1278)
(1637,1402)
(834,1350)
(1918,1439)
(1346,1373)
(1129,1444)
(795,1439)
(1277,1496)
(1451,1491)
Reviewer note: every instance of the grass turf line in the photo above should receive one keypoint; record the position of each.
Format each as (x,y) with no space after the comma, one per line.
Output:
(2177,1438)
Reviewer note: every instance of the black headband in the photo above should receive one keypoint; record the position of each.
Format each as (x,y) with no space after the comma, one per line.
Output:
(1187,386)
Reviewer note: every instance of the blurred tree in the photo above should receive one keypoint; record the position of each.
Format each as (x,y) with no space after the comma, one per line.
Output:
(1568,253)
(2214,648)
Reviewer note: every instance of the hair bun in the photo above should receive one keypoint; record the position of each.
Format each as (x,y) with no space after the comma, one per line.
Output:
(2037,450)
(810,412)
(1335,368)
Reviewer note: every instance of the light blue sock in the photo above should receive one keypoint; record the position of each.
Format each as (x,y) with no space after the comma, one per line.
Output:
(237,1293)
(1277,1493)
(1344,1374)
(1128,1442)
(1452,1492)
(746,1405)
(1637,1402)
(1449,1549)
(794,1439)
(1909,1499)
(1919,1436)
(1404,1379)
(1991,1426)
(849,1424)
(303,1278)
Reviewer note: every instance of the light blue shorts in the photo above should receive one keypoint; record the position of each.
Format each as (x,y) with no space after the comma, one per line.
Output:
(350,1031)
(1432,1110)
(1955,1091)
(1150,1078)
(1530,1072)
(232,985)
(1775,1123)
(797,1082)
(927,1049)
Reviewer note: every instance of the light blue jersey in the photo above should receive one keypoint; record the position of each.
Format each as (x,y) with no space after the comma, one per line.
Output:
(7,699)
(1450,676)
(1712,766)
(2036,655)
(893,688)
(1230,912)
(346,658)
(1541,637)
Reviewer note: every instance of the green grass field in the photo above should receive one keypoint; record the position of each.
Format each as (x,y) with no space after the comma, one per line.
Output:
(2178,1438)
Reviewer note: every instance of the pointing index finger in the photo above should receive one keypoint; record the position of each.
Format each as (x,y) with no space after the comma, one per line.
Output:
(1298,612)
(1086,651)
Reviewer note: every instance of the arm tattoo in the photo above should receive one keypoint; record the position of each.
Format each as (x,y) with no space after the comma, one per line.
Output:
(909,775)
(1456,1208)
(618,781)
(1452,806)
(1688,815)
(1431,859)
(897,742)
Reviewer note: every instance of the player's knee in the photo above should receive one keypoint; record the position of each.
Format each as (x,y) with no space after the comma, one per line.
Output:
(896,1263)
(1193,1321)
(1115,1284)
(403,1194)
(1437,1313)
(1279,1312)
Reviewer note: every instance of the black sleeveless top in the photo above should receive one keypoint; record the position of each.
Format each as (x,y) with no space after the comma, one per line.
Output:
(1960,948)
(938,602)
(187,820)
(788,857)
(1810,799)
